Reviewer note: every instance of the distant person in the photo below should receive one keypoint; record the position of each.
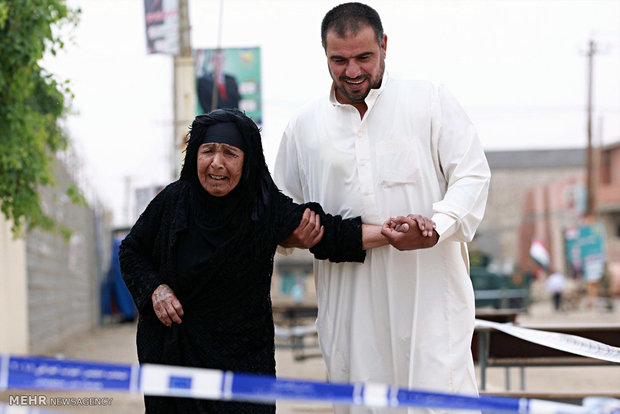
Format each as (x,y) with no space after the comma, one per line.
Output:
(198,262)
(555,284)
(376,147)
(217,89)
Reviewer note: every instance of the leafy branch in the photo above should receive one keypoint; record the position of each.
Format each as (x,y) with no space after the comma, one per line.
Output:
(31,103)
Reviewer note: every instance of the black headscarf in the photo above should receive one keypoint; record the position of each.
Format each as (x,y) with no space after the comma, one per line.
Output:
(256,183)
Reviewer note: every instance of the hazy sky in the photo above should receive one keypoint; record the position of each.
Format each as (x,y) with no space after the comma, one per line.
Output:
(517,67)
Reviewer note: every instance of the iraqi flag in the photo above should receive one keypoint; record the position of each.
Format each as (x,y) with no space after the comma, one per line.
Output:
(539,253)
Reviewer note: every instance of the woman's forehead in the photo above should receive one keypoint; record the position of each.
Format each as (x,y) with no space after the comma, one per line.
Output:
(220,145)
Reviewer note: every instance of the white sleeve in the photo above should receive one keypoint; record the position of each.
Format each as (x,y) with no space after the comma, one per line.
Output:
(464,167)
(286,173)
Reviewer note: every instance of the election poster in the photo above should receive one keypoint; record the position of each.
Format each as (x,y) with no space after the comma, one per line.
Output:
(585,250)
(229,78)
(162,26)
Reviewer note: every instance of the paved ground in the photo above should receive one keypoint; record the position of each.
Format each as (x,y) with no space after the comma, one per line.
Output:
(116,343)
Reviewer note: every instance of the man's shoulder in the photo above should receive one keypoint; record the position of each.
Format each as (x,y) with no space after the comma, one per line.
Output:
(310,111)
(400,82)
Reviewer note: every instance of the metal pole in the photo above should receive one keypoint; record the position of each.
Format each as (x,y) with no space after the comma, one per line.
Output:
(590,165)
(214,94)
(185,48)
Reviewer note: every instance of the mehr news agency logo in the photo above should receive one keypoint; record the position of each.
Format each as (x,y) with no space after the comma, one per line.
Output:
(44,400)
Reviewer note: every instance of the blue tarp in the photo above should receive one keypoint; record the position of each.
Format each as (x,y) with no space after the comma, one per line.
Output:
(115,297)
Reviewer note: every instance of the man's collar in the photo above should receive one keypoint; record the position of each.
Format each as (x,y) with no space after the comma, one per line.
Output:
(373,94)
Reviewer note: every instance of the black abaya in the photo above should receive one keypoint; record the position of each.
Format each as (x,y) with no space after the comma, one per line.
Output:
(221,272)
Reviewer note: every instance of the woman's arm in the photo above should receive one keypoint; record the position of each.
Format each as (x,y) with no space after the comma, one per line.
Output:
(135,255)
(341,239)
(334,238)
(308,233)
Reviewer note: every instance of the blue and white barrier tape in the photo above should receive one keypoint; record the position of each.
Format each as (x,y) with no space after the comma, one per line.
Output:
(25,409)
(28,373)
(162,380)
(294,331)
(564,342)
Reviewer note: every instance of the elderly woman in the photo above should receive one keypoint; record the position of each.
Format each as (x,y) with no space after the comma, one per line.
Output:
(198,262)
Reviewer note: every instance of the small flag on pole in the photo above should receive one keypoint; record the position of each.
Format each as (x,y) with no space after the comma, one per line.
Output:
(539,253)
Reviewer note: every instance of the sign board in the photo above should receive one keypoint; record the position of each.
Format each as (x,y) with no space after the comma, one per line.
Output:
(229,78)
(162,26)
(585,250)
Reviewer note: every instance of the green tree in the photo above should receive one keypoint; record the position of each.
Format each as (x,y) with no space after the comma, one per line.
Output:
(31,103)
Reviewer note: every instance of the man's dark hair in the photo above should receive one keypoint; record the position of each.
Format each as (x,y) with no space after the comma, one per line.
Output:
(351,17)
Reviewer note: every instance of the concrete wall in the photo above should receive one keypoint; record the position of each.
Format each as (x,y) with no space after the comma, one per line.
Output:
(13,292)
(62,275)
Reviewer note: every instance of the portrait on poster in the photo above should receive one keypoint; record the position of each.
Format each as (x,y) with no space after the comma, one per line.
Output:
(229,78)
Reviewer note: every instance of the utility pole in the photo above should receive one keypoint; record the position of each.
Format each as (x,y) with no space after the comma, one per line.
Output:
(591,183)
(216,73)
(184,94)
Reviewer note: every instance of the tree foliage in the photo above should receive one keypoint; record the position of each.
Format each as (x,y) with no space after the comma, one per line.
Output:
(31,103)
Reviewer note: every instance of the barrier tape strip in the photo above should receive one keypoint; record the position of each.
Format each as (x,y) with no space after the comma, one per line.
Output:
(561,341)
(27,373)
(564,342)
(19,409)
(285,333)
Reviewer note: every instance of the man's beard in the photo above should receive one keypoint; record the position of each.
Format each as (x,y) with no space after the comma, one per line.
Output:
(361,96)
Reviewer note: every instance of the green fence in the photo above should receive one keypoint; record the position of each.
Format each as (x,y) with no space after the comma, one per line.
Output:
(500,291)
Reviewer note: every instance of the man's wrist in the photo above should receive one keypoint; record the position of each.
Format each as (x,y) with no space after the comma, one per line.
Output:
(434,239)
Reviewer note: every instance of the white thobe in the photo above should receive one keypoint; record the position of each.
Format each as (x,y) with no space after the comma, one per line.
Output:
(400,318)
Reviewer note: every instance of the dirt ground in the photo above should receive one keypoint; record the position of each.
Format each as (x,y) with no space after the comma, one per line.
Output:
(116,343)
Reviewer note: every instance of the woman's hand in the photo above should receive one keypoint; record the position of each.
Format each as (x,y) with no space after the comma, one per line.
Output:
(308,233)
(166,305)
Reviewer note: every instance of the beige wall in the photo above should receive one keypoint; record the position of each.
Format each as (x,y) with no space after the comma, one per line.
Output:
(13,292)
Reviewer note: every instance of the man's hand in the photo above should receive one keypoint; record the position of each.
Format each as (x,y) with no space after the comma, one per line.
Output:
(410,233)
(166,305)
(307,234)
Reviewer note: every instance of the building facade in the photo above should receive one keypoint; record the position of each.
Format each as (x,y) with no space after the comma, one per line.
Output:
(539,195)
(513,175)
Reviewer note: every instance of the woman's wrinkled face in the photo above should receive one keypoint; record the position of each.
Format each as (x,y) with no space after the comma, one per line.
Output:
(219,167)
